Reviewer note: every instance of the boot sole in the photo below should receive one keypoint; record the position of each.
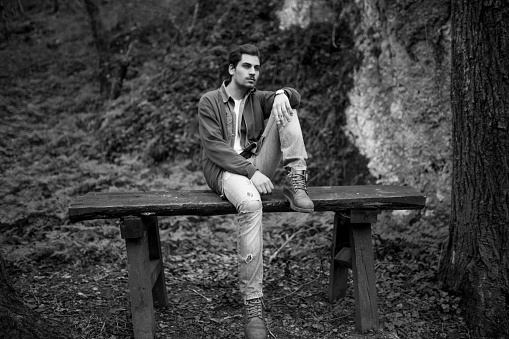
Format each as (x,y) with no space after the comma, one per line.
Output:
(295,208)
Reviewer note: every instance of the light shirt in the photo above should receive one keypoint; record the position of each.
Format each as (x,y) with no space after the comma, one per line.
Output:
(236,146)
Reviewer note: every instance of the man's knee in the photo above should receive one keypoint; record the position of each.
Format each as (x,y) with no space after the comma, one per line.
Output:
(248,206)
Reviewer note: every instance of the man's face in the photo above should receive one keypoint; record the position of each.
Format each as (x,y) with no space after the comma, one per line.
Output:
(247,71)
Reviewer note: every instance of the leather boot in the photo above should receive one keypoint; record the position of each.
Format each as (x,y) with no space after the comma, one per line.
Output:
(296,192)
(254,319)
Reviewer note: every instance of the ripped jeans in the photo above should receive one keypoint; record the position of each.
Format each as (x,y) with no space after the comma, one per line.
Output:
(277,142)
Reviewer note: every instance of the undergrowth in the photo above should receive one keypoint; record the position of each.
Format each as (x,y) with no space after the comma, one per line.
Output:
(159,121)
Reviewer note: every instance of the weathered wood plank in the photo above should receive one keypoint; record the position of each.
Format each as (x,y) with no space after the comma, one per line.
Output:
(338,277)
(131,228)
(159,294)
(344,257)
(364,280)
(154,267)
(363,216)
(105,205)
(140,286)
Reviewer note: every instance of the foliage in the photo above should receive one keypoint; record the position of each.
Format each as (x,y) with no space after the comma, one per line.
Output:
(159,123)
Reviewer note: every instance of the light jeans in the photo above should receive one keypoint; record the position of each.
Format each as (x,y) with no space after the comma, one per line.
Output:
(277,142)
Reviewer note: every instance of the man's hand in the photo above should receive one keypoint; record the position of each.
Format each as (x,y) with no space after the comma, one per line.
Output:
(281,109)
(262,183)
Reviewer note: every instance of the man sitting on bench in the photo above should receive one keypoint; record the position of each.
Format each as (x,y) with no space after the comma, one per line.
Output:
(240,157)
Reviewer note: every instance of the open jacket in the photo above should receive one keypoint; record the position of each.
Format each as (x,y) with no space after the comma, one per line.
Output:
(216,127)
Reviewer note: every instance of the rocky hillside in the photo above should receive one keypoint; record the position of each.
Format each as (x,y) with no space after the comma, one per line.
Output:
(399,113)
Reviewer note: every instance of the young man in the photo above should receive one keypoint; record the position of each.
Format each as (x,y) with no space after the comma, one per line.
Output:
(240,156)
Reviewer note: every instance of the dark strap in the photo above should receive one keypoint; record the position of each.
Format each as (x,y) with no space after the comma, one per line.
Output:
(246,154)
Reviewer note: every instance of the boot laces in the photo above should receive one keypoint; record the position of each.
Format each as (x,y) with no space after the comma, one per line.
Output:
(254,308)
(299,181)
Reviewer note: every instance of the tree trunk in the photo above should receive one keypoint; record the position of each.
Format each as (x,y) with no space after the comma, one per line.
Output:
(101,45)
(195,18)
(13,19)
(17,321)
(112,69)
(476,262)
(118,74)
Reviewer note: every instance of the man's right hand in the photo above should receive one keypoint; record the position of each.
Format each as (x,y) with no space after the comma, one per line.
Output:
(262,183)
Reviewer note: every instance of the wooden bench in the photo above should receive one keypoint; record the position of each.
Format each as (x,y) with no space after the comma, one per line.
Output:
(356,210)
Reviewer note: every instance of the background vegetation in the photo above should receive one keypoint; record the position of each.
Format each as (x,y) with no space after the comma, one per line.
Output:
(163,114)
(364,75)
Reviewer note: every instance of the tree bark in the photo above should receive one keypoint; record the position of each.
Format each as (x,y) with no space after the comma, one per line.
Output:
(119,73)
(112,68)
(195,18)
(17,321)
(476,262)
(101,45)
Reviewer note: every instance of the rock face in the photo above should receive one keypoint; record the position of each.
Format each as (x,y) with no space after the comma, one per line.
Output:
(399,113)
(303,12)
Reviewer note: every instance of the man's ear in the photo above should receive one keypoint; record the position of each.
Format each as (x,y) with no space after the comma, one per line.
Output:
(231,69)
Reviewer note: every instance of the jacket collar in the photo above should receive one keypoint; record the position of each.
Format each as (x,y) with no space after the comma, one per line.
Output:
(224,94)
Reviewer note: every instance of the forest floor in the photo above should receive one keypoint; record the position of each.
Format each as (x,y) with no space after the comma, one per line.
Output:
(76,274)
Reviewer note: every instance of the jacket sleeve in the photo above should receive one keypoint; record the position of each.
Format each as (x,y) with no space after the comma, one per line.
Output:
(267,98)
(215,145)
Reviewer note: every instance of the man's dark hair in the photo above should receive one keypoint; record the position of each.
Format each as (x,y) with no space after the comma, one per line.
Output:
(236,53)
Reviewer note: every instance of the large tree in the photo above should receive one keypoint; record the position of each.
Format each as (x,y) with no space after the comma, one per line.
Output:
(17,321)
(476,262)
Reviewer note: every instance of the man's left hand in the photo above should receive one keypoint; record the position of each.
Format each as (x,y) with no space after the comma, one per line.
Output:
(281,109)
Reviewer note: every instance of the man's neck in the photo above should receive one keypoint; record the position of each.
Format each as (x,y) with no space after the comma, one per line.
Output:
(236,92)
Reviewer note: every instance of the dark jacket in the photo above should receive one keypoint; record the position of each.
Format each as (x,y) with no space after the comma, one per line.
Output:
(215,117)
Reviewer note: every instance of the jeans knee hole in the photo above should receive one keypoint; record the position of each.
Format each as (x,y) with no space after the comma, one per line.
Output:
(249,258)
(250,205)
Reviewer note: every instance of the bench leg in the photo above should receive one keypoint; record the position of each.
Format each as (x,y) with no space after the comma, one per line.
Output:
(146,274)
(159,292)
(366,309)
(338,277)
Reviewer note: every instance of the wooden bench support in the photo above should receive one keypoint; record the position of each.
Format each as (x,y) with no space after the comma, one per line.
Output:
(356,209)
(338,277)
(146,274)
(363,266)
(344,257)
(354,231)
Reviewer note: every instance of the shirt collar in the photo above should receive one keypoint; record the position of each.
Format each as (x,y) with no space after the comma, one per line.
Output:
(225,95)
